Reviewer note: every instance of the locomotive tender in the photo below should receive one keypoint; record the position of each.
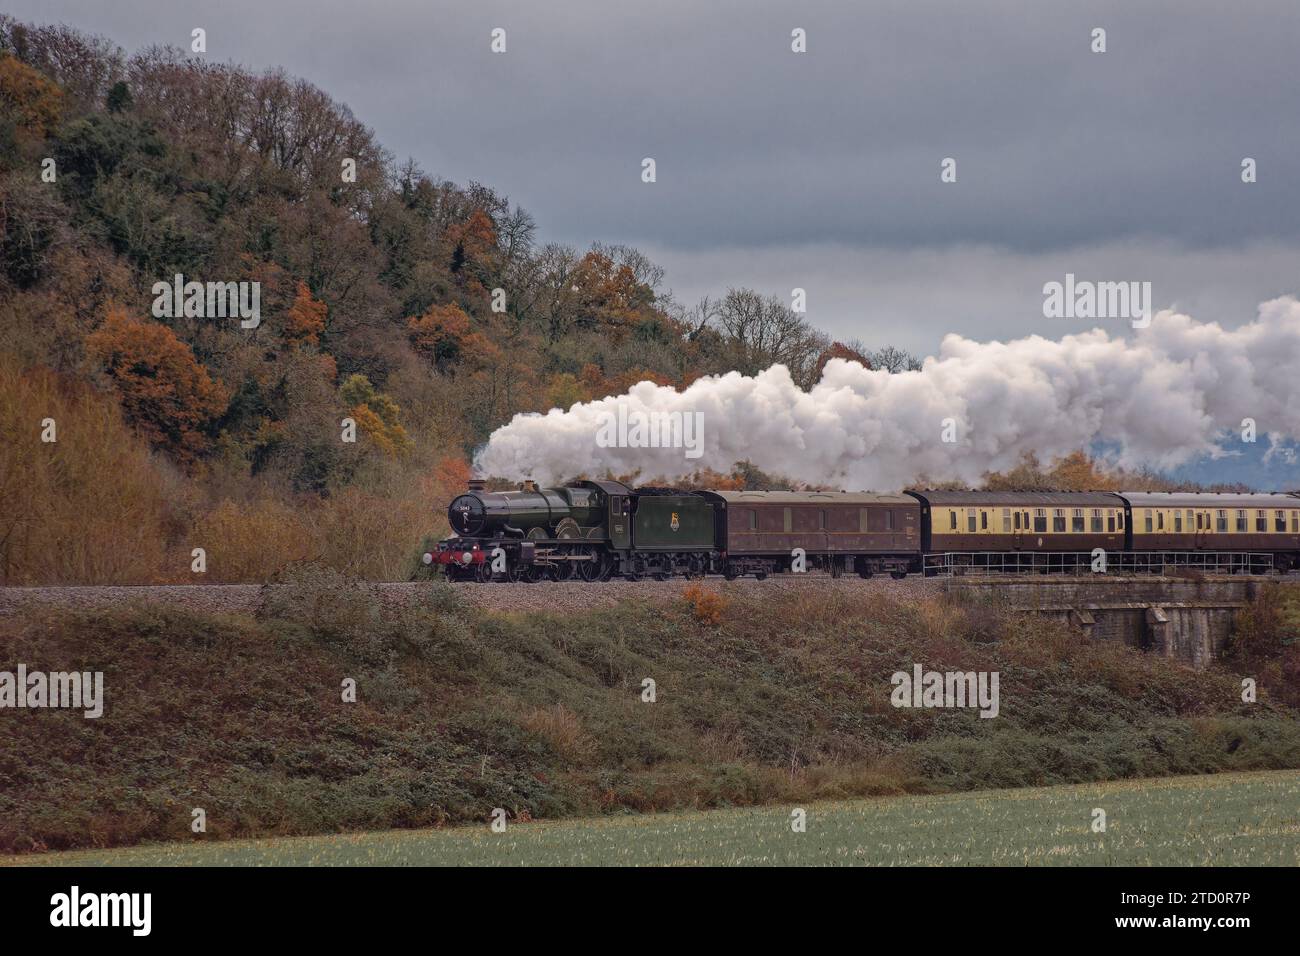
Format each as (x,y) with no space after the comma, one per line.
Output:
(595,530)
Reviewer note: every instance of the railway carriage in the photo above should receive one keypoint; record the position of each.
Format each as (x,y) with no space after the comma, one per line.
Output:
(837,531)
(995,528)
(1266,525)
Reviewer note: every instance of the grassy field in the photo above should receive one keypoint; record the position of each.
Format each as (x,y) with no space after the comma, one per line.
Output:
(1248,819)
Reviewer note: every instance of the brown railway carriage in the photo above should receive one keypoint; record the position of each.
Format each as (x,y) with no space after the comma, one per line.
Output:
(1173,521)
(840,530)
(1023,521)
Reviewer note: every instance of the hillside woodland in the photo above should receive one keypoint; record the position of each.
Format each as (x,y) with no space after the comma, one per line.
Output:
(378,303)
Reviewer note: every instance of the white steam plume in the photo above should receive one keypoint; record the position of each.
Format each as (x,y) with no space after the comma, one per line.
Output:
(1171,393)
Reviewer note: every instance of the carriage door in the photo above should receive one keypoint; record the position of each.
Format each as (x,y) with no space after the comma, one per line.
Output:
(1017,530)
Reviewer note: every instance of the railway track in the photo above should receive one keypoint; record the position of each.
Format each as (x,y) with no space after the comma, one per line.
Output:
(552,596)
(561,596)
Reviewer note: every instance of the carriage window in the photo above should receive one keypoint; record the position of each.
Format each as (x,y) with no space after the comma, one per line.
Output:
(1121,520)
(1146,512)
(1017,520)
(889,519)
(821,519)
(1040,520)
(1076,521)
(1200,523)
(1096,519)
(1160,521)
(1178,521)
(952,520)
(1006,520)
(1110,520)
(970,519)
(753,520)
(1261,520)
(1279,521)
(1295,522)
(1058,519)
(1241,520)
(984,520)
(1221,522)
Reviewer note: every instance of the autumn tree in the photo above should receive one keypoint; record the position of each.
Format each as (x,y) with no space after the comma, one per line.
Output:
(1079,471)
(472,251)
(563,390)
(165,393)
(841,351)
(376,414)
(445,337)
(305,320)
(27,99)
(608,294)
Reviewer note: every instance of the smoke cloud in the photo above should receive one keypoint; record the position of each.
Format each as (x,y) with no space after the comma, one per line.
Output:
(1175,391)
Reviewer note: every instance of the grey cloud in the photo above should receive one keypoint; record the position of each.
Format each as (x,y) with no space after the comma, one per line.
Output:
(765,156)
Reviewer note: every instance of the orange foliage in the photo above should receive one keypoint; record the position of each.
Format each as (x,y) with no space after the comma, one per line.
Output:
(1078,472)
(451,475)
(305,320)
(706,606)
(389,437)
(33,101)
(166,394)
(444,336)
(608,294)
(841,351)
(473,246)
(715,481)
(593,383)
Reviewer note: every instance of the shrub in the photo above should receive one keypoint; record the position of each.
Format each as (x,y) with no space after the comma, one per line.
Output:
(706,606)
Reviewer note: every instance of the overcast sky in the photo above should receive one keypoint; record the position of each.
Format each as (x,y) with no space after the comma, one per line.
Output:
(821,170)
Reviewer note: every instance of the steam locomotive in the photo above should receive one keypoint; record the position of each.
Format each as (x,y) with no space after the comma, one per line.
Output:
(596,530)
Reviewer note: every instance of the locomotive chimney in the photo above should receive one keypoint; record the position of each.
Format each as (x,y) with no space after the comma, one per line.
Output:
(477,484)
(528,485)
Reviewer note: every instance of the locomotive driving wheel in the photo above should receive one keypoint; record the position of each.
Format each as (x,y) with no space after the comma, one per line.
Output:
(591,565)
(566,530)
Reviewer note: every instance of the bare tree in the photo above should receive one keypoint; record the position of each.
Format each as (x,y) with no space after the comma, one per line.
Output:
(762,331)
(891,359)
